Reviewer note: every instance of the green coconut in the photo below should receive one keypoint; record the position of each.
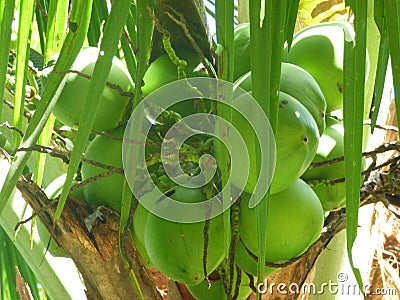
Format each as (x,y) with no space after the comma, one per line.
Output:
(113,107)
(319,49)
(295,221)
(163,71)
(299,84)
(331,146)
(177,249)
(296,144)
(106,190)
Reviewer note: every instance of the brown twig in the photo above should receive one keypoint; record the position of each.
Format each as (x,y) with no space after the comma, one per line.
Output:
(317,182)
(27,114)
(206,239)
(237,283)
(64,156)
(157,24)
(107,135)
(130,42)
(97,177)
(7,125)
(89,77)
(383,127)
(22,222)
(251,283)
(369,170)
(235,214)
(47,150)
(383,148)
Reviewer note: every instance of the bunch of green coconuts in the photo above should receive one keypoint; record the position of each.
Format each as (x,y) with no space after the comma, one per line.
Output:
(311,89)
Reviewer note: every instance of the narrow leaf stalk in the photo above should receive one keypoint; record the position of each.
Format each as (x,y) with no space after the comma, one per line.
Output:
(353,108)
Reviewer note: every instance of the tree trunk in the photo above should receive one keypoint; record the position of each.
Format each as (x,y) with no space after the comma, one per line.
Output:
(96,253)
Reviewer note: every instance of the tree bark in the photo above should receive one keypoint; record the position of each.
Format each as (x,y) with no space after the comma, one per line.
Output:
(96,253)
